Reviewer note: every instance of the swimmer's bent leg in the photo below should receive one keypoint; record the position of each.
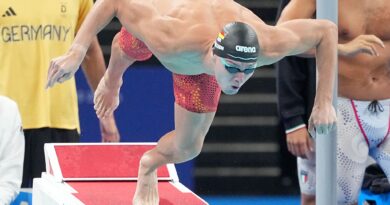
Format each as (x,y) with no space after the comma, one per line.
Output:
(196,103)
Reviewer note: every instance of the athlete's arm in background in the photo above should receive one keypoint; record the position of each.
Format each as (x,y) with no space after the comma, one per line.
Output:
(305,9)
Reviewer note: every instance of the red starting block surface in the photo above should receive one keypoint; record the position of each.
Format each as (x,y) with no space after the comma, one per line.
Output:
(101,174)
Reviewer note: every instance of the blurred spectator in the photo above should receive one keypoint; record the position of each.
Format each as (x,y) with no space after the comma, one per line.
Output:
(33,34)
(11,150)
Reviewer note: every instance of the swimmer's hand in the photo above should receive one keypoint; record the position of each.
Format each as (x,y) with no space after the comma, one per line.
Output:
(299,143)
(361,44)
(323,118)
(64,67)
(106,97)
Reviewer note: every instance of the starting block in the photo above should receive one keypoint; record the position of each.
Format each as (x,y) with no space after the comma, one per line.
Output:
(102,174)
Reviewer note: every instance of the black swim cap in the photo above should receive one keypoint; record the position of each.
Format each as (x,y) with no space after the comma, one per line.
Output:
(237,41)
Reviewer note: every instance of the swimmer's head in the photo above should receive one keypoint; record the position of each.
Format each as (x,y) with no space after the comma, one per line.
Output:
(237,50)
(237,41)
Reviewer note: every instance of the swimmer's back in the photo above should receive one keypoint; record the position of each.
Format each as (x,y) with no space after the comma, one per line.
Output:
(179,25)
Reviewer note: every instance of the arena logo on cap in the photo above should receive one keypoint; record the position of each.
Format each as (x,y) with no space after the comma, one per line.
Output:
(246,49)
(218,46)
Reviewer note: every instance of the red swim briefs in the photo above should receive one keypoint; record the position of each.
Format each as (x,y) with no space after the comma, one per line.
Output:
(196,93)
(133,47)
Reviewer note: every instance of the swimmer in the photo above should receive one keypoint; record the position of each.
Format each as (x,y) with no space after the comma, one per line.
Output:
(209,46)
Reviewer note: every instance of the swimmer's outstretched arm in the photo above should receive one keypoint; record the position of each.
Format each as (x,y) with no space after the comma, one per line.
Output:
(297,9)
(295,37)
(298,36)
(132,15)
(64,67)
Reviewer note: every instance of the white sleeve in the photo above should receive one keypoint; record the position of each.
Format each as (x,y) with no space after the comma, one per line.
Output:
(11,153)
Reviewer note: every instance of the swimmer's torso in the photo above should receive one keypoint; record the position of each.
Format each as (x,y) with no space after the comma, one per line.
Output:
(179,32)
(365,77)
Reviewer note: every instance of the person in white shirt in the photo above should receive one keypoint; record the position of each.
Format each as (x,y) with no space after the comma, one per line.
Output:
(11,150)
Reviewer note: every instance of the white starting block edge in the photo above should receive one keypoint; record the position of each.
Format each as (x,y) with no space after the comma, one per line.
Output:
(53,189)
(184,189)
(51,160)
(47,191)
